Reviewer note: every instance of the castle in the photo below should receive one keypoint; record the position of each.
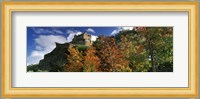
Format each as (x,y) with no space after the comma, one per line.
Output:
(82,39)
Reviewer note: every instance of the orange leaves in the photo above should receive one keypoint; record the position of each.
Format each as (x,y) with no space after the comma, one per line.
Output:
(140,49)
(74,60)
(111,57)
(77,62)
(91,61)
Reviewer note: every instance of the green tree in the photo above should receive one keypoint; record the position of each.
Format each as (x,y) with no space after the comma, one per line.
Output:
(132,48)
(158,42)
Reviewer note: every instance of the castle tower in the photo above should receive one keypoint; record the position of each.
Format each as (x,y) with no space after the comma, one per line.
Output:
(82,39)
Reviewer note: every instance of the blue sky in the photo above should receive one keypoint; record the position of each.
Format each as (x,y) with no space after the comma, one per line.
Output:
(41,40)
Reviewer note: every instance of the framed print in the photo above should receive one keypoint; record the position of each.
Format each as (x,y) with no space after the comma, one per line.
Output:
(100,49)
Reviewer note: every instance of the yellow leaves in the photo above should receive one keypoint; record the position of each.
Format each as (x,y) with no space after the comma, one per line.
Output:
(111,57)
(91,61)
(140,49)
(74,60)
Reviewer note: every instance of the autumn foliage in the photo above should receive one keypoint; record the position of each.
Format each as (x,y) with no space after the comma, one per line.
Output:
(74,59)
(143,49)
(91,61)
(112,60)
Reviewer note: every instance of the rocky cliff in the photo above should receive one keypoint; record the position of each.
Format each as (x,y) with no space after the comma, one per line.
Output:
(56,59)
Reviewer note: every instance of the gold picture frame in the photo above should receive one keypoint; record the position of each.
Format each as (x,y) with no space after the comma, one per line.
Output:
(9,91)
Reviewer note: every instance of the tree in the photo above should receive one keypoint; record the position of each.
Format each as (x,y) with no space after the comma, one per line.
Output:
(147,48)
(74,60)
(127,45)
(164,48)
(112,60)
(133,50)
(91,60)
(158,42)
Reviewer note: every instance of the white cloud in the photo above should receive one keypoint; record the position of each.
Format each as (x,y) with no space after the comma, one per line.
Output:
(38,47)
(72,33)
(47,30)
(34,59)
(90,30)
(79,33)
(57,31)
(94,38)
(116,31)
(41,30)
(70,37)
(45,44)
(128,28)
(48,42)
(38,30)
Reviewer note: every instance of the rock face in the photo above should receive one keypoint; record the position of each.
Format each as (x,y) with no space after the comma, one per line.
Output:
(57,59)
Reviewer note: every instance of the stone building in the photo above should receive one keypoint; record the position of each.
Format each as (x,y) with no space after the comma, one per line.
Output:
(82,39)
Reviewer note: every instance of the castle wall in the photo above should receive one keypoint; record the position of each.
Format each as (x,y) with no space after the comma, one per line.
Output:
(84,39)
